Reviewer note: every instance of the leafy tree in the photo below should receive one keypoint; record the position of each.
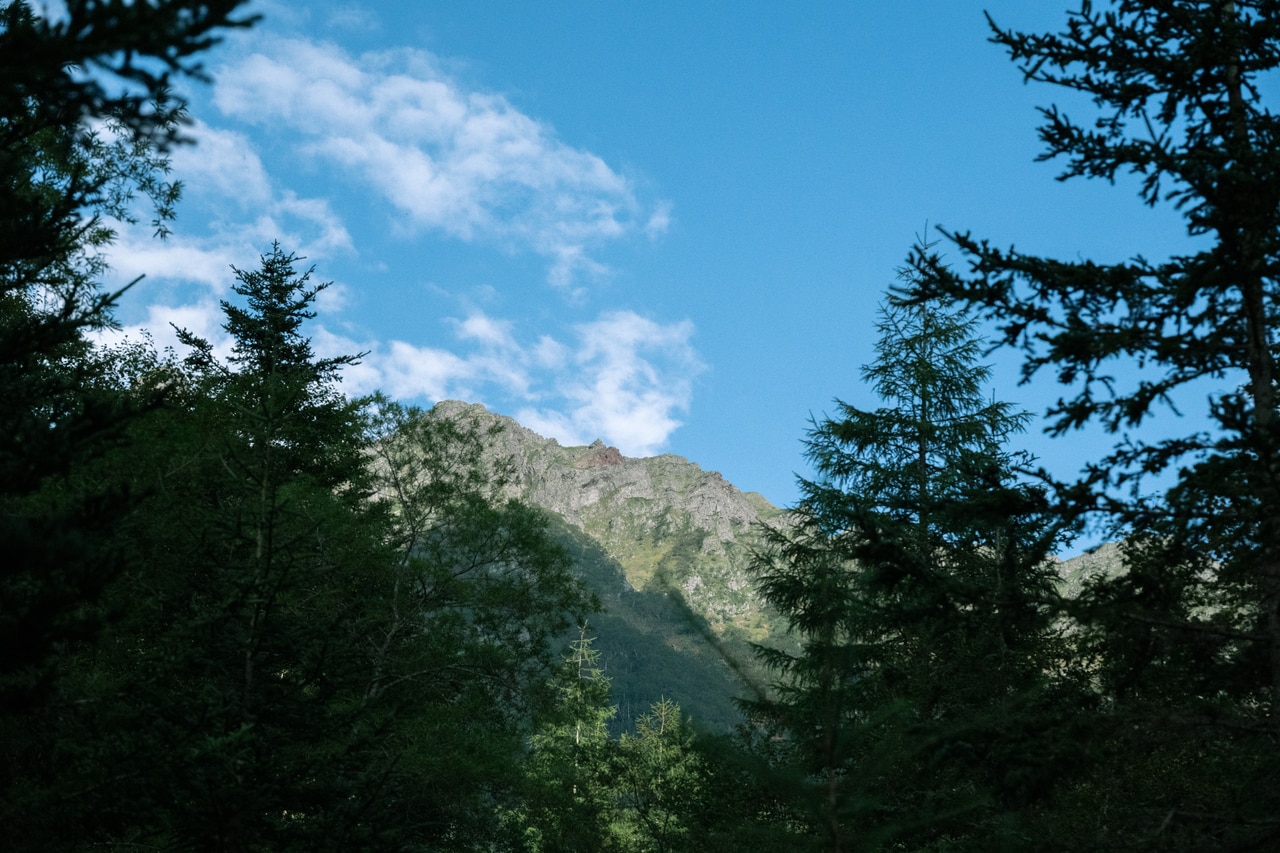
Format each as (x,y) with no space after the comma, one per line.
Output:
(915,575)
(482,595)
(662,786)
(659,782)
(1187,636)
(673,787)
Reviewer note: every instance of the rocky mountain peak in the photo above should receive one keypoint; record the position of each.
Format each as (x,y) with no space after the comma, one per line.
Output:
(600,455)
(664,519)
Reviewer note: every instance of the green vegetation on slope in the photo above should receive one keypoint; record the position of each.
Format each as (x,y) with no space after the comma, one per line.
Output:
(241,611)
(652,646)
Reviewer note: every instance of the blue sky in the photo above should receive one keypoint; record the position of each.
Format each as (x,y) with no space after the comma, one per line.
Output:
(664,224)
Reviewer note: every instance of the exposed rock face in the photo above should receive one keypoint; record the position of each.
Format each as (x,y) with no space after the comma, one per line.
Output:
(1106,561)
(663,518)
(681,536)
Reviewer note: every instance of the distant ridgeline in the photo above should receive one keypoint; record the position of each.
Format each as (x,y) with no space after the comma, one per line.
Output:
(667,548)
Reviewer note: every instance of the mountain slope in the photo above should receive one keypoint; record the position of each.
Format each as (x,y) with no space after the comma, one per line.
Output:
(667,547)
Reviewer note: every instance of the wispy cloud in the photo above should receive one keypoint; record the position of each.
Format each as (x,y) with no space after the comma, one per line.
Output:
(461,162)
(186,274)
(223,177)
(622,377)
(438,157)
(631,377)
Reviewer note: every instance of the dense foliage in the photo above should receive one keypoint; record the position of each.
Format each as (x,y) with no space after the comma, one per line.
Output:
(1184,643)
(240,610)
(916,573)
(1139,713)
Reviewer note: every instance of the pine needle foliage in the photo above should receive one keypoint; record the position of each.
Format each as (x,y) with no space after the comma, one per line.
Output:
(915,576)
(1186,636)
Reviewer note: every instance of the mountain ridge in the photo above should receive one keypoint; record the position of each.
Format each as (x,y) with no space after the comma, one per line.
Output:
(668,547)
(663,518)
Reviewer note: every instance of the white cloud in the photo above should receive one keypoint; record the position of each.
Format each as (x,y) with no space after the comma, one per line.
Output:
(630,377)
(226,184)
(466,163)
(203,319)
(203,262)
(318,231)
(416,373)
(550,353)
(222,164)
(659,220)
(353,18)
(486,330)
(623,378)
(407,371)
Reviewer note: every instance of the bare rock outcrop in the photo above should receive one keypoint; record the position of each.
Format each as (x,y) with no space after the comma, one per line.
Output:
(663,518)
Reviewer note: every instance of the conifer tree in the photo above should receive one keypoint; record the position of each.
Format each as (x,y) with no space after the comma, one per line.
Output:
(566,795)
(1187,635)
(85,121)
(915,577)
(337,629)
(257,564)
(60,179)
(660,783)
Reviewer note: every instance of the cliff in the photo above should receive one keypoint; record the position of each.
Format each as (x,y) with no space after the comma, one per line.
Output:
(668,523)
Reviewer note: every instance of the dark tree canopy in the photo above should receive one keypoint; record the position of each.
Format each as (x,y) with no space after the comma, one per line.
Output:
(1177,90)
(240,610)
(915,578)
(60,175)
(1186,635)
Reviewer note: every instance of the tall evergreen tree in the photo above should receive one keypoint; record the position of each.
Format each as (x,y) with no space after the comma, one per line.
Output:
(59,180)
(660,784)
(915,575)
(1187,636)
(335,630)
(565,797)
(236,680)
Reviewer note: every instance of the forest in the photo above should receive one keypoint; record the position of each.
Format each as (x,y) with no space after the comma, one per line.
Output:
(241,610)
